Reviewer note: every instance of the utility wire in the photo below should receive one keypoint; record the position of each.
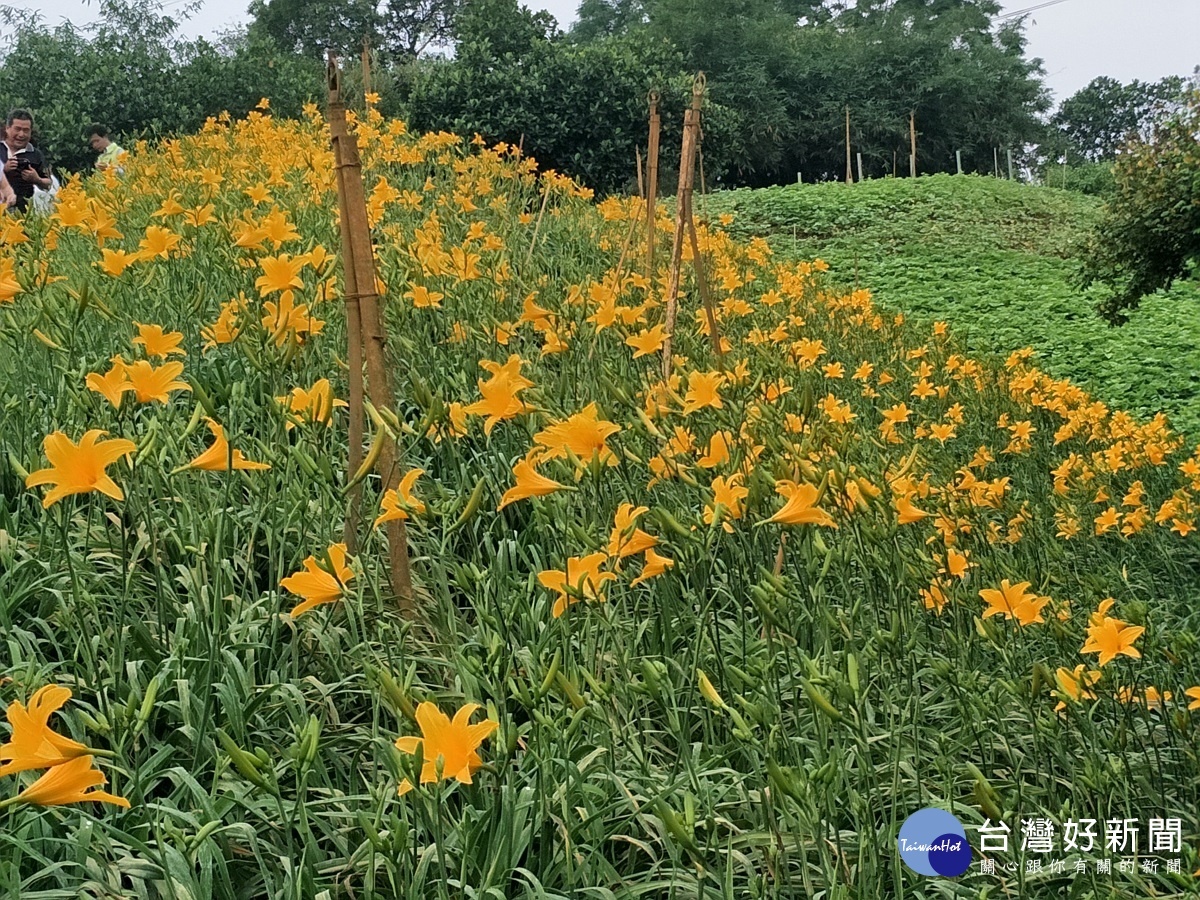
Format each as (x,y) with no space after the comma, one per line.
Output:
(1021,12)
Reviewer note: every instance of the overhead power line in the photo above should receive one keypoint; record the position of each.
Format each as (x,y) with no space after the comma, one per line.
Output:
(1021,12)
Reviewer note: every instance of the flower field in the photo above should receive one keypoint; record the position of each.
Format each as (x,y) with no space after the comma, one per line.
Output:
(716,635)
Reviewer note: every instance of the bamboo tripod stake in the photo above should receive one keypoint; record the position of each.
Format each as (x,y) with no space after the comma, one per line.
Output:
(365,332)
(651,183)
(685,222)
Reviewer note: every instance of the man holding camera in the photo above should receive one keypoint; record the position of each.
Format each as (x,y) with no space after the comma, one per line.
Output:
(24,165)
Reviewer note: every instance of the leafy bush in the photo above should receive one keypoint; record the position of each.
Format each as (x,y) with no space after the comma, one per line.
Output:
(1150,232)
(1093,179)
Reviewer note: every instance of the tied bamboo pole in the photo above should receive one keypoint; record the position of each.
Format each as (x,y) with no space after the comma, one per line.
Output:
(684,223)
(849,169)
(366,66)
(354,343)
(366,333)
(912,133)
(651,182)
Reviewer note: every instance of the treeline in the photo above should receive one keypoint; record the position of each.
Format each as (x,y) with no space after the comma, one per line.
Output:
(781,75)
(135,74)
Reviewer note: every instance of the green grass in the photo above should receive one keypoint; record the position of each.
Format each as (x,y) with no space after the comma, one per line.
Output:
(995,259)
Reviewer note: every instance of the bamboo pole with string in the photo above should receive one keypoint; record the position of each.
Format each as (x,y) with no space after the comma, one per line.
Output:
(683,224)
(651,182)
(362,304)
(849,167)
(366,66)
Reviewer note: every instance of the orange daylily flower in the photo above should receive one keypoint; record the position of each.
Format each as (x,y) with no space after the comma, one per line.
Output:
(703,391)
(800,508)
(1110,637)
(728,493)
(157,342)
(584,434)
(583,578)
(655,565)
(114,262)
(956,563)
(500,400)
(280,273)
(423,298)
(80,468)
(288,319)
(112,384)
(315,584)
(217,457)
(150,383)
(907,511)
(1014,602)
(69,783)
(316,404)
(1073,685)
(530,483)
(647,342)
(398,502)
(158,241)
(626,538)
(34,745)
(447,746)
(718,451)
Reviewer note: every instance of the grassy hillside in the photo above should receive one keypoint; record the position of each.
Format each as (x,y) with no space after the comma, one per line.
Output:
(716,634)
(995,259)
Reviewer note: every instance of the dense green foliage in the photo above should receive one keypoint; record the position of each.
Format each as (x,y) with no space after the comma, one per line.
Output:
(781,76)
(965,77)
(1096,121)
(1149,235)
(579,109)
(135,74)
(402,29)
(997,260)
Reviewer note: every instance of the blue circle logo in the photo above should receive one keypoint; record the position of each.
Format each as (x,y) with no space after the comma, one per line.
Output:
(933,842)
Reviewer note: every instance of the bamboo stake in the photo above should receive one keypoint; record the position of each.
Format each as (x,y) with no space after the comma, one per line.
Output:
(358,257)
(912,132)
(354,343)
(366,65)
(641,180)
(691,120)
(849,169)
(537,226)
(651,182)
(714,333)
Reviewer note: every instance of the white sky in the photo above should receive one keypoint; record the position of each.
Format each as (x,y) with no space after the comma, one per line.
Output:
(1076,39)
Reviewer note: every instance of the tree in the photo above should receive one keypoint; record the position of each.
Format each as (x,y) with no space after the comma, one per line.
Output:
(1096,121)
(1149,233)
(397,28)
(787,69)
(494,29)
(579,109)
(606,18)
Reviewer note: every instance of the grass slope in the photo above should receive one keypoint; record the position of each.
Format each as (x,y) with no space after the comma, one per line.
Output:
(995,258)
